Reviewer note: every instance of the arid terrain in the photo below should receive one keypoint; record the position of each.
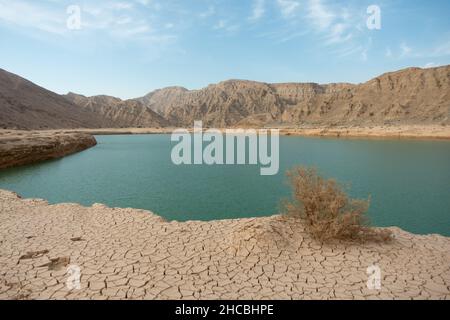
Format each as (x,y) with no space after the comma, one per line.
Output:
(411,96)
(134,254)
(24,105)
(379,132)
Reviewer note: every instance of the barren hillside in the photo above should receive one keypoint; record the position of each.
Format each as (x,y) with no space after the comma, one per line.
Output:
(121,114)
(24,105)
(412,96)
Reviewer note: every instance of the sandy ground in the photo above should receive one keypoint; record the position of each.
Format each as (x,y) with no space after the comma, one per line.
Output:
(134,254)
(402,132)
(397,132)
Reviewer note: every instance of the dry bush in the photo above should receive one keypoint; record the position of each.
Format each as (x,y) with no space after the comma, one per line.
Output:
(326,210)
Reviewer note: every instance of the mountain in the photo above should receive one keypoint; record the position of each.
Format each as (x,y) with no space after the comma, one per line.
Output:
(122,114)
(162,100)
(410,96)
(24,105)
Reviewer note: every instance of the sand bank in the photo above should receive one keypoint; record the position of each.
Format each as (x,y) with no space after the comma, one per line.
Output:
(382,132)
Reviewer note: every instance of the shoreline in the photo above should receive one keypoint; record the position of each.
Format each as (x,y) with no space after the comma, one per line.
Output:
(394,132)
(398,133)
(22,148)
(19,147)
(417,132)
(422,132)
(135,254)
(149,211)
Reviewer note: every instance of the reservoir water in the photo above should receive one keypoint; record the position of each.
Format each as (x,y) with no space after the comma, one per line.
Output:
(408,181)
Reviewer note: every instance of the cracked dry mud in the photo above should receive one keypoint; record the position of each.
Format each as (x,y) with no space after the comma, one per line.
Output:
(134,254)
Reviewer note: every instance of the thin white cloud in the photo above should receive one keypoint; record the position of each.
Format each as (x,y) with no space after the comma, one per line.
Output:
(333,25)
(26,14)
(337,33)
(259,8)
(405,50)
(123,20)
(350,50)
(225,25)
(208,13)
(388,53)
(430,65)
(288,7)
(145,3)
(121,5)
(441,50)
(354,49)
(364,55)
(320,15)
(220,24)
(290,36)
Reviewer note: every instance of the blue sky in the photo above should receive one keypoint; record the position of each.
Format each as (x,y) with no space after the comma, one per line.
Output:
(128,48)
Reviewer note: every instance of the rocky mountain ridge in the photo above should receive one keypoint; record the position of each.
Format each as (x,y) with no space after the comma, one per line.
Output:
(409,96)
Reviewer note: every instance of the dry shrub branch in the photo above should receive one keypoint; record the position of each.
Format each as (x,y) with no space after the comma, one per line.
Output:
(327,211)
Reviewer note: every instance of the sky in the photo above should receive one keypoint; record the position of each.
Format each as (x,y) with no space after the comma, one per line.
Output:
(129,48)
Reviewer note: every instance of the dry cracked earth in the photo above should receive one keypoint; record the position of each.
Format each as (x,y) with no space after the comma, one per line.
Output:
(134,254)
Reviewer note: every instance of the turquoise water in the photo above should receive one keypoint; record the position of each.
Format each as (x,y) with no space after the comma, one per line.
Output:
(409,181)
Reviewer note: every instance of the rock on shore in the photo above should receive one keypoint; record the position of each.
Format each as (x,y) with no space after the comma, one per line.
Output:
(25,147)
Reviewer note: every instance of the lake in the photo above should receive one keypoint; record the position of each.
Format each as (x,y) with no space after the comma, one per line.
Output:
(408,181)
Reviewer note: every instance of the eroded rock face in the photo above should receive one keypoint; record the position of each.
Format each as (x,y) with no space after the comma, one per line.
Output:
(170,96)
(119,113)
(410,96)
(26,106)
(21,148)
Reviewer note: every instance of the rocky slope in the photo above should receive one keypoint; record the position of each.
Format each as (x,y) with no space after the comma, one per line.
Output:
(162,99)
(24,105)
(121,114)
(21,148)
(410,96)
